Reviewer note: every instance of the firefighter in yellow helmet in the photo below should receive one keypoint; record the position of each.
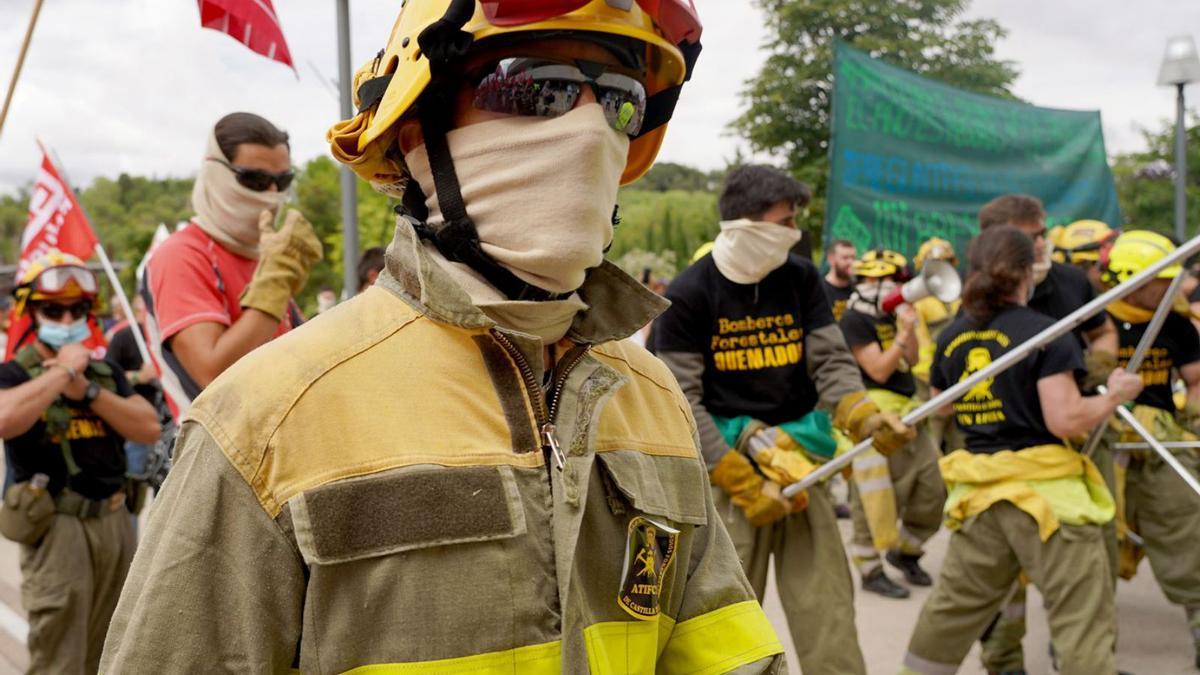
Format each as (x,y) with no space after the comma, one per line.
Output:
(1083,243)
(1157,505)
(465,468)
(933,316)
(65,422)
(896,501)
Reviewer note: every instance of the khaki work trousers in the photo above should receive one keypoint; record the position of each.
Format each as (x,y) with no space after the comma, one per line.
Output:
(70,585)
(812,576)
(1165,512)
(982,563)
(920,499)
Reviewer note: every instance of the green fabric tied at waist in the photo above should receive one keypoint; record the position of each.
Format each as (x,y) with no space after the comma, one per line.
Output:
(814,431)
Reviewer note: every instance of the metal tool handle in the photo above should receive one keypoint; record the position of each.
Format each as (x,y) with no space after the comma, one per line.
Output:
(1157,447)
(1006,361)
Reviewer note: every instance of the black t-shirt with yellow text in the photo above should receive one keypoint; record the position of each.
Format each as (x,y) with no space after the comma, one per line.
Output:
(751,337)
(1177,345)
(1065,289)
(863,329)
(97,449)
(838,297)
(1004,412)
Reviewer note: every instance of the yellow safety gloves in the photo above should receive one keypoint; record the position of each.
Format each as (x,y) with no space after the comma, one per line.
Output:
(756,487)
(284,259)
(761,500)
(861,418)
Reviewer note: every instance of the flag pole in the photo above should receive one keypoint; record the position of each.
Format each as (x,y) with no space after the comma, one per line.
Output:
(105,262)
(12,85)
(348,179)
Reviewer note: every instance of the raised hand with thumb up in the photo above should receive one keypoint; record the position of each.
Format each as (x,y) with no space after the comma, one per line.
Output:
(285,257)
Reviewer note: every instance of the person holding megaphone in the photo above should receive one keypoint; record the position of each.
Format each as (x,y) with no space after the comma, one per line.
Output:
(880,328)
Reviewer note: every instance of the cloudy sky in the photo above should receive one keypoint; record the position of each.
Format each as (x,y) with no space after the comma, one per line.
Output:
(135,85)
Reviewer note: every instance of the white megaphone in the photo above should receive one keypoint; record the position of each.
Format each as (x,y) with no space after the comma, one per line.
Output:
(938,278)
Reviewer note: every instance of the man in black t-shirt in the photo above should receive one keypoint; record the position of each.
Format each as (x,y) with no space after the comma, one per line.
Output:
(1158,505)
(1060,289)
(752,341)
(839,280)
(905,486)
(66,417)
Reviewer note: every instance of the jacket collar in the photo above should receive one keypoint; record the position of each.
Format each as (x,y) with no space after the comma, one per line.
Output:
(618,305)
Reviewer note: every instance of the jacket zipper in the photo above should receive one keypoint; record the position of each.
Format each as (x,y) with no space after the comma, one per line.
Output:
(545,408)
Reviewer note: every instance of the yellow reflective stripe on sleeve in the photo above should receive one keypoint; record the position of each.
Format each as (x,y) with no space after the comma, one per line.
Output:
(623,647)
(720,641)
(545,659)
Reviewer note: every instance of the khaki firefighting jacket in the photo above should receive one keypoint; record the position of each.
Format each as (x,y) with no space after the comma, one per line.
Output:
(381,491)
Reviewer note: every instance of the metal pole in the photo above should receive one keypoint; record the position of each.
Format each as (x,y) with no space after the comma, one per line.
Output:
(1180,166)
(1143,346)
(1062,327)
(348,179)
(1157,447)
(1170,445)
(12,85)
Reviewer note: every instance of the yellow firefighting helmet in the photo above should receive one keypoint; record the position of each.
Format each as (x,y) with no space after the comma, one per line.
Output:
(1082,241)
(54,276)
(935,248)
(1133,252)
(668,28)
(880,262)
(1054,241)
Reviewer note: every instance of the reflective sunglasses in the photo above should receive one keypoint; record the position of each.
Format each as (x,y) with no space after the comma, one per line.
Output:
(540,87)
(677,19)
(54,280)
(257,179)
(55,312)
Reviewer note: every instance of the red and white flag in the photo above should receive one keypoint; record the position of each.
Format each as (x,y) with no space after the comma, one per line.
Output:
(55,220)
(250,22)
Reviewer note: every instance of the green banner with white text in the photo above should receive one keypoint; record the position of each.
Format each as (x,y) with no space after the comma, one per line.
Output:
(912,158)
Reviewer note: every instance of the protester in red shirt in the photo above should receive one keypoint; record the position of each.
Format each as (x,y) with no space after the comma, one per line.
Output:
(223,284)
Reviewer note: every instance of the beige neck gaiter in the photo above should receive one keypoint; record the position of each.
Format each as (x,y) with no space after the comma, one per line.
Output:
(746,251)
(225,210)
(548,320)
(540,191)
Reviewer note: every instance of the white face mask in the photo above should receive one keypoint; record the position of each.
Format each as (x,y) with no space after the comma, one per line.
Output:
(227,211)
(747,251)
(540,191)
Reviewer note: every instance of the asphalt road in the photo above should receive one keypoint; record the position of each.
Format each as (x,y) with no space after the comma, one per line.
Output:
(1153,640)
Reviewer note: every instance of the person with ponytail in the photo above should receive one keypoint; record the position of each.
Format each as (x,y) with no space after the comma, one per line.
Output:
(1020,497)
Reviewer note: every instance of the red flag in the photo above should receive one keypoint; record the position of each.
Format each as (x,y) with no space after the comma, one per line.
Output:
(250,22)
(56,221)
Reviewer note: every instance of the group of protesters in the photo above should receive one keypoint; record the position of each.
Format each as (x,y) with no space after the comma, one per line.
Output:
(470,466)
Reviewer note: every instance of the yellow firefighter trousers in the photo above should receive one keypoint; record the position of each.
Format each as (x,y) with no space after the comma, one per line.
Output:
(985,558)
(814,582)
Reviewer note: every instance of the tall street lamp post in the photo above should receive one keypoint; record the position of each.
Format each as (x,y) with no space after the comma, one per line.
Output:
(1180,67)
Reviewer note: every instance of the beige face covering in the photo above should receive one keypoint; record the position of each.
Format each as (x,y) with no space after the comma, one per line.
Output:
(746,251)
(540,191)
(225,210)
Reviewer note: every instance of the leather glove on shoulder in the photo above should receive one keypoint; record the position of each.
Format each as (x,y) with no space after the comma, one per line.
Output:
(1099,366)
(284,260)
(861,418)
(761,500)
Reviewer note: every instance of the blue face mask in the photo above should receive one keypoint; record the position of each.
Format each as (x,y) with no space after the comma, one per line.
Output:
(58,334)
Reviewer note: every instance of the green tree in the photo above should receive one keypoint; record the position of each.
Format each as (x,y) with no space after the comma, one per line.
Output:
(1146,185)
(787,111)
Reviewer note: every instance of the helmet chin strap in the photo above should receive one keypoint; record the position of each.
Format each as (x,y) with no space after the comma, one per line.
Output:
(458,240)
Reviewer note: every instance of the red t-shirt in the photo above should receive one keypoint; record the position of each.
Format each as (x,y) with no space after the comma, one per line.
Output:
(194,279)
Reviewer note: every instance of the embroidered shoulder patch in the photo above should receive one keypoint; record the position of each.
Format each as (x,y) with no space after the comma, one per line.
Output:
(649,550)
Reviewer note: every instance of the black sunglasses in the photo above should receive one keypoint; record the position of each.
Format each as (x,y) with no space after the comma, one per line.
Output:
(257,179)
(55,312)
